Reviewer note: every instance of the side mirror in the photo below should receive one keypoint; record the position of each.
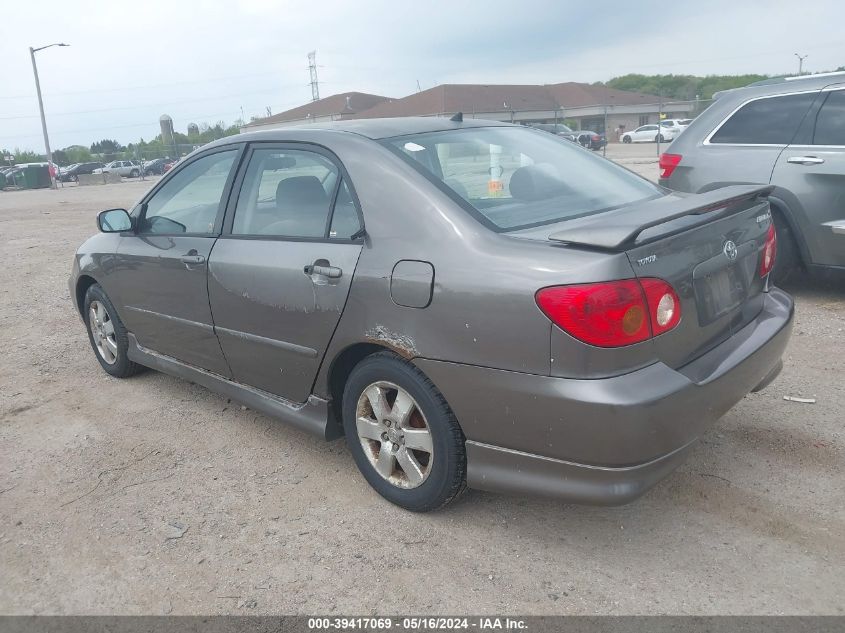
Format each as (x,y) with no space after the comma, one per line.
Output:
(114,221)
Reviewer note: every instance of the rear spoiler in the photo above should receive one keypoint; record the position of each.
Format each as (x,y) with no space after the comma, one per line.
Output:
(617,229)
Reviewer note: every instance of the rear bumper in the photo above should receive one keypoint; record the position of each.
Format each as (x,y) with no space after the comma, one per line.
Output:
(604,441)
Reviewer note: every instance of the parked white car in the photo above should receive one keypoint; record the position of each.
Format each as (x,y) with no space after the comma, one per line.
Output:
(649,133)
(674,127)
(126,168)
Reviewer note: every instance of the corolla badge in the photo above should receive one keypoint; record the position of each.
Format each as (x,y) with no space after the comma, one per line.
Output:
(730,250)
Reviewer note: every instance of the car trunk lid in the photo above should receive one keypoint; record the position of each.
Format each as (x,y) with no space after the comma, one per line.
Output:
(706,246)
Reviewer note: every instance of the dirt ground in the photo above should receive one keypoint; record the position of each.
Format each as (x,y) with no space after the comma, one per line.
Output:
(153,495)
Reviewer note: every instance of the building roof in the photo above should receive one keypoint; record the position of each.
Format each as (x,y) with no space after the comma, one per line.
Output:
(342,105)
(576,95)
(484,98)
(467,98)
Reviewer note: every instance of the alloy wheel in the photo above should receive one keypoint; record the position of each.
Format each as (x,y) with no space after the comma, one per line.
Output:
(394,434)
(102,331)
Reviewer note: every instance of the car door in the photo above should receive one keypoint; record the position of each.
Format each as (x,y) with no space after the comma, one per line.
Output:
(644,133)
(161,269)
(812,170)
(280,274)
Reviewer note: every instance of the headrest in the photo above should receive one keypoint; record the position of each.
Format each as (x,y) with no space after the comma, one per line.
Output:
(300,191)
(536,182)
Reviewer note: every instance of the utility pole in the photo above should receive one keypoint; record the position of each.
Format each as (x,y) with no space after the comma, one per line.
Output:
(801,59)
(32,52)
(312,68)
(659,119)
(604,147)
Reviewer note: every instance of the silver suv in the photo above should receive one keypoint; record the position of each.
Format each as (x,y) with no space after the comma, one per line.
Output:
(786,132)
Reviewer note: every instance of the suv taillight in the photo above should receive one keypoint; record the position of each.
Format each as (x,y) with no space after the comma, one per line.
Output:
(770,251)
(613,313)
(667,164)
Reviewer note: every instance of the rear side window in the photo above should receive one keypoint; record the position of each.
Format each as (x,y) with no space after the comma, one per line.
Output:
(830,122)
(516,177)
(291,193)
(768,121)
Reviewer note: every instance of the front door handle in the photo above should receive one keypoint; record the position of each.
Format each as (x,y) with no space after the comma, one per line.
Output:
(192,257)
(805,160)
(332,272)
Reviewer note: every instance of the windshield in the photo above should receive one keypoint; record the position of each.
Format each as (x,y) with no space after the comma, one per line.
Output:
(515,178)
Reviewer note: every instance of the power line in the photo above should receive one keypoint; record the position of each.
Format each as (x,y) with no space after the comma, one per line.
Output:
(235,113)
(148,105)
(159,85)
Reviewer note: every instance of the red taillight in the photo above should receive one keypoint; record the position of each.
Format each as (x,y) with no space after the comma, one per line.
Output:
(667,164)
(614,313)
(770,251)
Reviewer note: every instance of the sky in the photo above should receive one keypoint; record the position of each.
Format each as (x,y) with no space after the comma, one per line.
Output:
(202,61)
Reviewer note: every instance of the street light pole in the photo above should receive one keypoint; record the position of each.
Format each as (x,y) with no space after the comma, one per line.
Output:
(32,52)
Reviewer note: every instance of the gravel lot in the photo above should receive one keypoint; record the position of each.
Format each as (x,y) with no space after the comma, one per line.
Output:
(153,495)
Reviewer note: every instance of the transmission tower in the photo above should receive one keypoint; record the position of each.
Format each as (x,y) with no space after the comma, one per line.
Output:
(312,68)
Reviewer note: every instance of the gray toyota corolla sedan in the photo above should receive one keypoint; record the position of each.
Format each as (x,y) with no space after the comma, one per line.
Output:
(468,302)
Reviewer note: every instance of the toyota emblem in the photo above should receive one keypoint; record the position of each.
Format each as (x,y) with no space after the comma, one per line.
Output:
(730,250)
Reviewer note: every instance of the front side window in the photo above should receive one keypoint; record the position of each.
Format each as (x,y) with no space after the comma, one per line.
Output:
(515,177)
(830,122)
(189,202)
(291,193)
(768,121)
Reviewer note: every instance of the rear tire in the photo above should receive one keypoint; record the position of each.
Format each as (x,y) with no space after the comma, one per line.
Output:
(107,334)
(380,437)
(626,139)
(659,139)
(787,259)
(134,173)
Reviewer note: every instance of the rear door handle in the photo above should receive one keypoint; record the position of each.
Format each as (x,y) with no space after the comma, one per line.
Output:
(332,272)
(193,258)
(805,160)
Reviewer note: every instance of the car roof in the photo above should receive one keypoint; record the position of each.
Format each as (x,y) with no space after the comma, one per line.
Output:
(370,128)
(783,85)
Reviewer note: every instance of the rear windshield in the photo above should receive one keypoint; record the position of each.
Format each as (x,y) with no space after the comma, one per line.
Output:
(514,178)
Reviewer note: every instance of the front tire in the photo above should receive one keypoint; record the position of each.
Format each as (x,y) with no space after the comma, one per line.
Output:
(402,434)
(134,173)
(107,334)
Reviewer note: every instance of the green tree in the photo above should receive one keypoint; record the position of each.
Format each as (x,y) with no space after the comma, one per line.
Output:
(681,87)
(106,146)
(77,154)
(27,156)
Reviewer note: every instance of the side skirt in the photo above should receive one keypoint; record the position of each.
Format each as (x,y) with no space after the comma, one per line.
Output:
(311,416)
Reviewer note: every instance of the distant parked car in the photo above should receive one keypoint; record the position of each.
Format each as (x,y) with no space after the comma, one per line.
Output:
(590,140)
(789,133)
(126,168)
(170,164)
(558,129)
(71,173)
(671,128)
(646,134)
(155,167)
